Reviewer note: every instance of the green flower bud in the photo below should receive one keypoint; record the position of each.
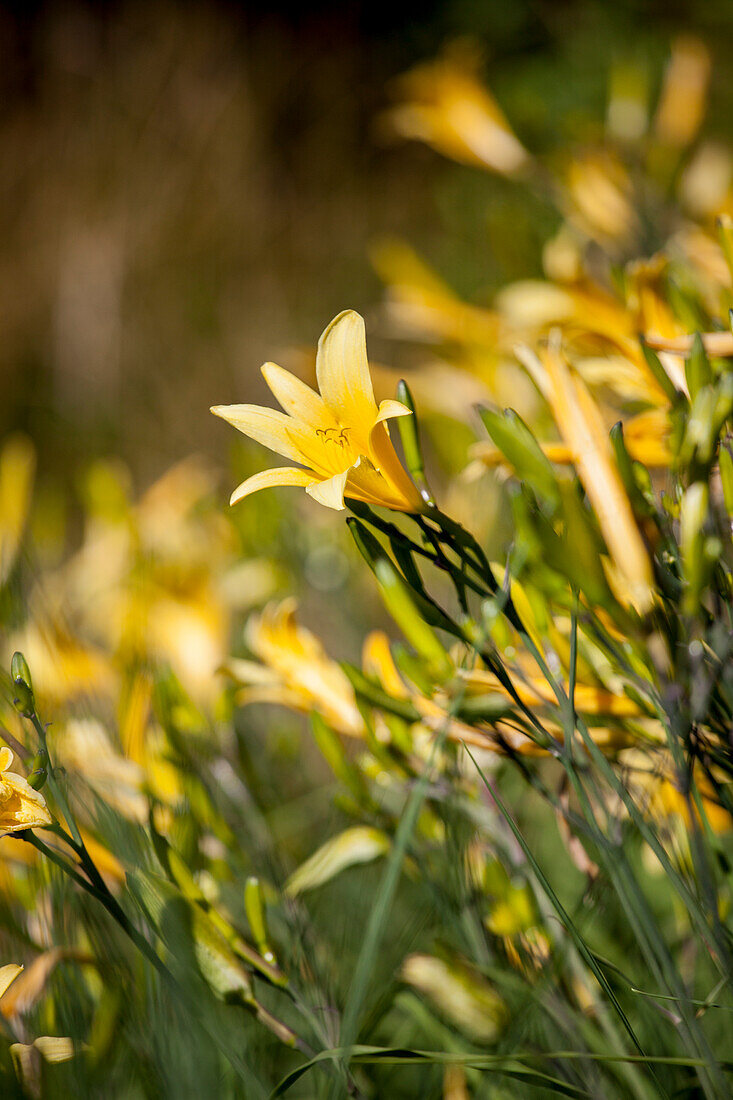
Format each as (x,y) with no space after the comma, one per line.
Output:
(410,435)
(23,699)
(19,670)
(39,773)
(254,905)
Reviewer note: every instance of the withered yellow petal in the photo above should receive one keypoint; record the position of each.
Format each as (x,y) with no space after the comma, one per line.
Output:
(25,992)
(360,844)
(343,371)
(270,479)
(55,1048)
(8,974)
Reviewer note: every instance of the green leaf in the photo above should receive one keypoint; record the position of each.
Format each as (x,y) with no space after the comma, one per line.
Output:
(189,934)
(511,1065)
(660,375)
(402,607)
(373,553)
(375,695)
(519,446)
(484,708)
(726,477)
(631,473)
(698,372)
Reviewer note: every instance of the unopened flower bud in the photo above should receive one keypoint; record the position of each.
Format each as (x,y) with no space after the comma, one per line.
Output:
(39,771)
(19,669)
(23,699)
(254,904)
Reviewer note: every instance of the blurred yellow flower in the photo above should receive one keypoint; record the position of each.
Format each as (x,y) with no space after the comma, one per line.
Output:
(445,105)
(378,663)
(667,800)
(296,671)
(84,747)
(458,991)
(339,434)
(421,305)
(65,666)
(600,190)
(654,779)
(20,806)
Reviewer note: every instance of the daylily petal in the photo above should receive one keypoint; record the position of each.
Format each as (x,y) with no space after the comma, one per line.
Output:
(366,483)
(269,479)
(384,457)
(267,426)
(331,492)
(298,399)
(6,758)
(390,408)
(343,371)
(378,661)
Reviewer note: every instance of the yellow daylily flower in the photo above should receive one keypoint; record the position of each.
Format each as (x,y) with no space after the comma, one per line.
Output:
(20,806)
(339,435)
(668,801)
(27,989)
(378,662)
(49,1048)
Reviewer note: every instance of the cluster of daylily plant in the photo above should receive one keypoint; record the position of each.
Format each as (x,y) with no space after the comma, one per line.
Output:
(531,766)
